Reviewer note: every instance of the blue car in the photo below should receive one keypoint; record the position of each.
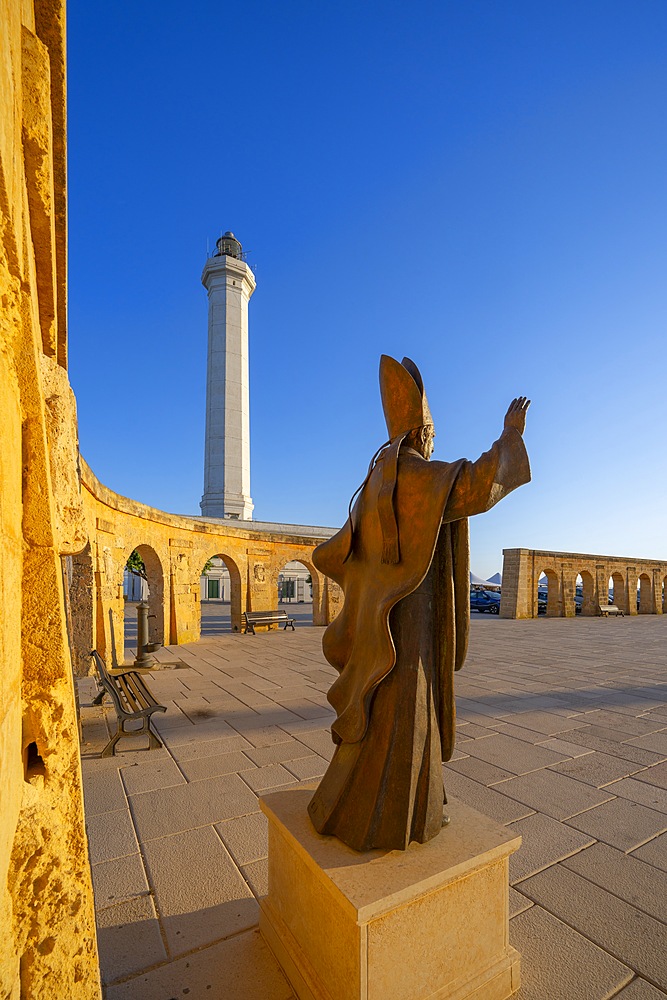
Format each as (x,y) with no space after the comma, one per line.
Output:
(485,600)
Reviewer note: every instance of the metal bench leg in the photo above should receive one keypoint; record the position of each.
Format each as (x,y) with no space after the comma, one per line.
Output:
(154,743)
(110,748)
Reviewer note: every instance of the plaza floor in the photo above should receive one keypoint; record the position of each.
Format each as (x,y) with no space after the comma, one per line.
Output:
(562,735)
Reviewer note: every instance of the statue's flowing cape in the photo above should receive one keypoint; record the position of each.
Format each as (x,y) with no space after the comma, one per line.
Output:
(431,502)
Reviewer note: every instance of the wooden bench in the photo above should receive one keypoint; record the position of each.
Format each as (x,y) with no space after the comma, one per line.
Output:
(253,618)
(610,609)
(132,700)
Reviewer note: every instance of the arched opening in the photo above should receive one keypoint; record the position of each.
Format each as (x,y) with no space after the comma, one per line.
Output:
(664,596)
(548,595)
(618,591)
(220,596)
(588,602)
(644,597)
(143,580)
(295,591)
(578,596)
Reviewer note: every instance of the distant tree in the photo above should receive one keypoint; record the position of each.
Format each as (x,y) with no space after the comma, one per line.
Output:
(135,564)
(208,566)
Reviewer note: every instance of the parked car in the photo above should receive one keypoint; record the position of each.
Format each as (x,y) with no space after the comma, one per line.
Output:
(485,600)
(542,598)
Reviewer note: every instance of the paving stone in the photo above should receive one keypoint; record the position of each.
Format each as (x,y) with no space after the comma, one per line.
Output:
(202,896)
(195,748)
(110,835)
(256,875)
(625,750)
(145,776)
(242,968)
(654,852)
(471,731)
(245,837)
(544,842)
(512,755)
(656,742)
(598,769)
(555,794)
(304,768)
(624,723)
(557,963)
(519,733)
(656,775)
(478,770)
(518,903)
(184,807)
(262,778)
(633,937)
(128,938)
(103,792)
(639,989)
(640,791)
(210,767)
(486,800)
(319,741)
(278,753)
(544,722)
(118,880)
(624,875)
(562,746)
(621,823)
(259,735)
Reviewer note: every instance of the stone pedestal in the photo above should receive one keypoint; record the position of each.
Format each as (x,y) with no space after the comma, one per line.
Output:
(430,922)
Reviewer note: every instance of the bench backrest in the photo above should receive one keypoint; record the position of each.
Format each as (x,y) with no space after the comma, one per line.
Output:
(255,616)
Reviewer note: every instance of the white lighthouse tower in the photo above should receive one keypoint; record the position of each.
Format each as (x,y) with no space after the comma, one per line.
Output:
(230,283)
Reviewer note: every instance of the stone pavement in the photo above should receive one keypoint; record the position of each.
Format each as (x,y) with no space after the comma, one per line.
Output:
(562,736)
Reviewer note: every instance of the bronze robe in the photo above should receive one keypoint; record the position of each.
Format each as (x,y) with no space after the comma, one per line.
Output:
(400,636)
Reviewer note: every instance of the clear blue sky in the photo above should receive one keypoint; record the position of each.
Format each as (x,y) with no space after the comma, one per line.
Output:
(479,185)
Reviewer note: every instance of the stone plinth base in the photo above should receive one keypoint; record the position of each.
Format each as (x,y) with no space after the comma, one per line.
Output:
(430,922)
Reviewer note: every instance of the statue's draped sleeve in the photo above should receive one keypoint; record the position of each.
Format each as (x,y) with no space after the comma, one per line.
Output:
(432,501)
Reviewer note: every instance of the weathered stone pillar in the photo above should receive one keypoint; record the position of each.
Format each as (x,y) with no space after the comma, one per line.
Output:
(319,591)
(568,590)
(656,591)
(332,601)
(262,594)
(81,599)
(184,607)
(518,597)
(631,590)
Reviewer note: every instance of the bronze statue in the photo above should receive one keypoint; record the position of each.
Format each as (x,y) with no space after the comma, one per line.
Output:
(402,560)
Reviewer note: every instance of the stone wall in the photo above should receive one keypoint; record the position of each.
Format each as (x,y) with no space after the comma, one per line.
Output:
(175,549)
(639,585)
(47,927)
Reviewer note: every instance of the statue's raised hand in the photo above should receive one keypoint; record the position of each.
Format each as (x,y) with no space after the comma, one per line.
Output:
(516,414)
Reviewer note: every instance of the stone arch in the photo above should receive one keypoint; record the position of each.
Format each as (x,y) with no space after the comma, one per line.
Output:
(306,594)
(235,594)
(645,595)
(156,594)
(620,596)
(589,600)
(548,584)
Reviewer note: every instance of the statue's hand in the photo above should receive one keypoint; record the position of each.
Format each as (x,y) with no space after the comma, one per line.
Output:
(516,414)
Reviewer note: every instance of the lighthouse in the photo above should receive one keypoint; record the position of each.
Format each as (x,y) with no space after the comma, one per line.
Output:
(229,282)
